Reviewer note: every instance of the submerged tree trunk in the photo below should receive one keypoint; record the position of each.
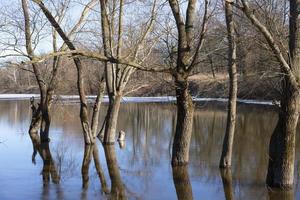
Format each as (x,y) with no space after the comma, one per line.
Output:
(111,119)
(182,183)
(184,124)
(282,144)
(232,71)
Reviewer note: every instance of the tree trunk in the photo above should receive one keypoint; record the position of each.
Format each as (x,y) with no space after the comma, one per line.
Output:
(112,119)
(232,71)
(282,144)
(185,110)
(182,183)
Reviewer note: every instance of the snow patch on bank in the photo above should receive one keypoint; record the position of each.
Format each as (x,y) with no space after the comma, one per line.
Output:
(164,99)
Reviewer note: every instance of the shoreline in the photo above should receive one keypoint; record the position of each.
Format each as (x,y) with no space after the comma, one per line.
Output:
(162,99)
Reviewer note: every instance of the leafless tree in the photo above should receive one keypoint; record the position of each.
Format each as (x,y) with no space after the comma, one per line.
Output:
(282,144)
(232,71)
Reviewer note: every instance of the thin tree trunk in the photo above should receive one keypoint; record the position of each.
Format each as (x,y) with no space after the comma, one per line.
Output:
(111,119)
(182,183)
(184,124)
(232,71)
(87,132)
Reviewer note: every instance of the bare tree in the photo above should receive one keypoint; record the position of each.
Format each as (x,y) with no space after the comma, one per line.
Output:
(186,59)
(232,71)
(89,130)
(282,143)
(117,75)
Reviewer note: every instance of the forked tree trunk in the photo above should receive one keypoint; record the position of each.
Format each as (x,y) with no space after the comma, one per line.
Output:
(112,119)
(184,124)
(282,144)
(182,183)
(225,160)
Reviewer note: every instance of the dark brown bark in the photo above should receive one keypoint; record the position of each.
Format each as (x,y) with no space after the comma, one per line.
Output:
(111,119)
(185,110)
(226,156)
(282,143)
(182,183)
(117,186)
(227,183)
(187,56)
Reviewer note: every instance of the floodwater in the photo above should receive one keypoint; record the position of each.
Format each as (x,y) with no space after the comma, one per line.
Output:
(140,168)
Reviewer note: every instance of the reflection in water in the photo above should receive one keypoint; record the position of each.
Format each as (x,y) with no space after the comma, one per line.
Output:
(91,151)
(227,183)
(182,182)
(49,168)
(281,195)
(144,164)
(121,144)
(117,186)
(88,152)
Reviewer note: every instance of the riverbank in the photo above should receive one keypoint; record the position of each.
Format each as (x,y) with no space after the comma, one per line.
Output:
(163,99)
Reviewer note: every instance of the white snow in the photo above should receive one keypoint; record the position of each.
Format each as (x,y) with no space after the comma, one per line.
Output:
(163,99)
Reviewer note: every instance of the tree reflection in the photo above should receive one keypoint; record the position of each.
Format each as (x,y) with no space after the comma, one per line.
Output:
(49,168)
(91,151)
(117,186)
(182,182)
(227,183)
(281,195)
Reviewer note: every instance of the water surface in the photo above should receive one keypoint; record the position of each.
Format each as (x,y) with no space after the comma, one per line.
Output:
(140,169)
